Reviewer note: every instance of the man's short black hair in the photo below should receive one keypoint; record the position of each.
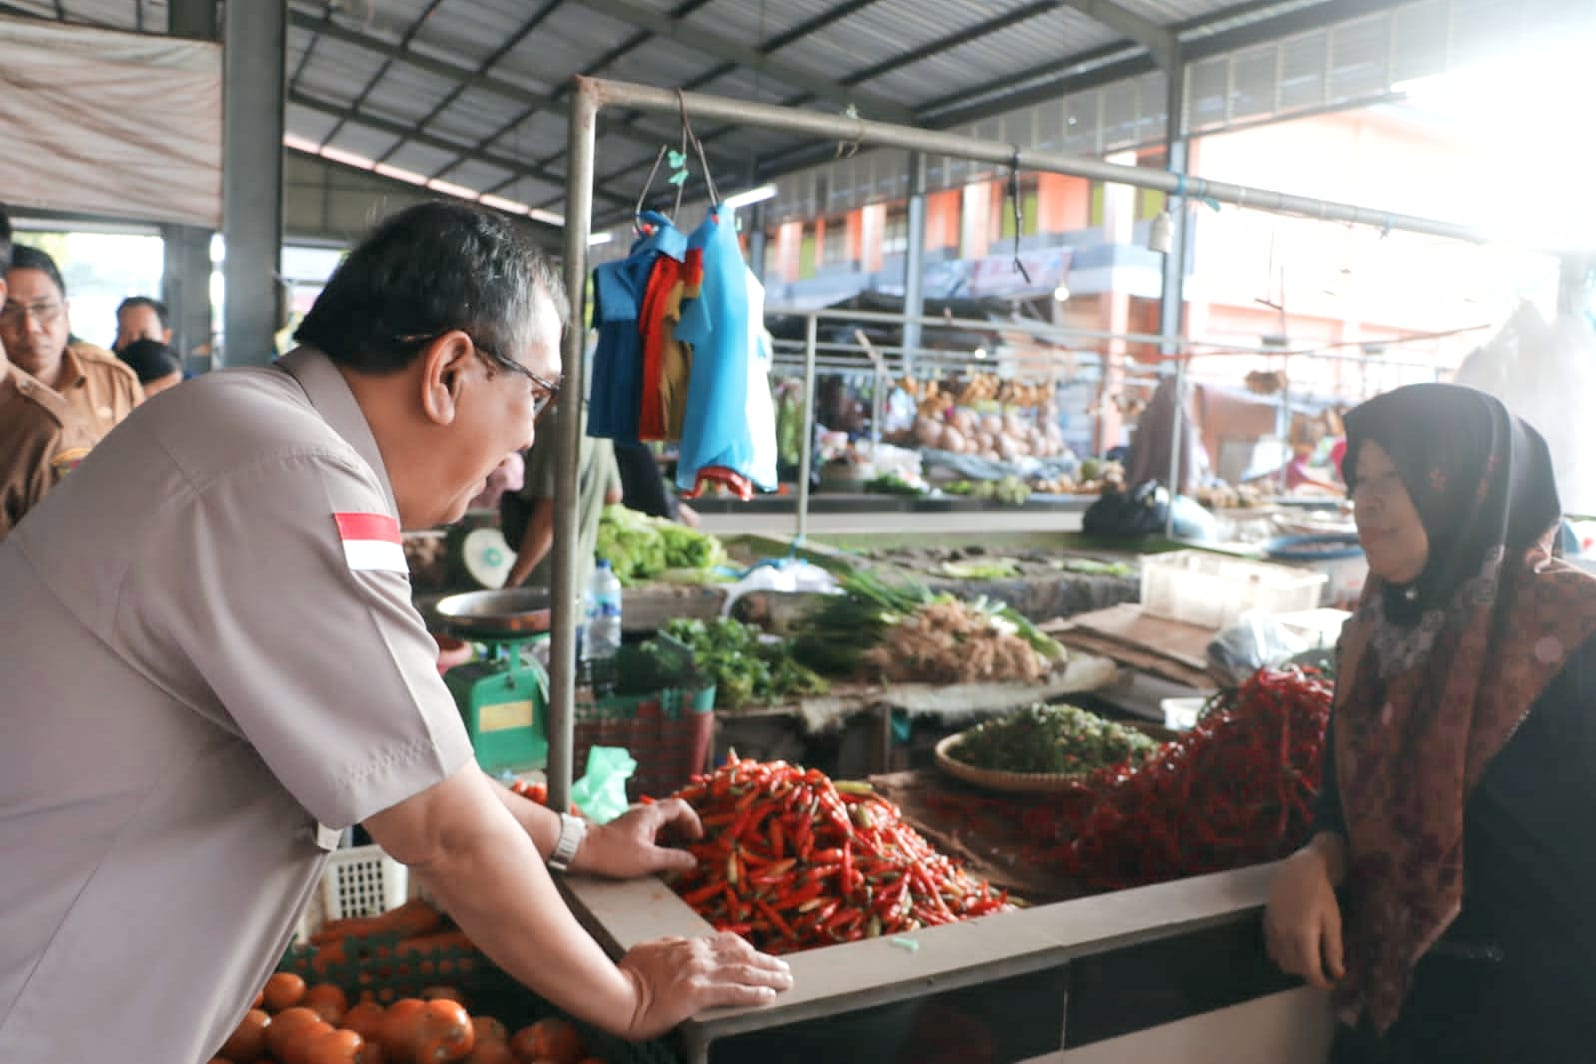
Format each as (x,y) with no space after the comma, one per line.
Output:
(145,301)
(150,359)
(429,269)
(27,257)
(5,239)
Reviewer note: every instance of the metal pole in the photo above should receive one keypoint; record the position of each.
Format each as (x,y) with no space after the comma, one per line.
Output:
(914,258)
(566,596)
(1172,300)
(254,50)
(806,454)
(882,134)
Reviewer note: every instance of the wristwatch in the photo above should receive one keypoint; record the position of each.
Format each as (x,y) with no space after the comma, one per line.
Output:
(573,829)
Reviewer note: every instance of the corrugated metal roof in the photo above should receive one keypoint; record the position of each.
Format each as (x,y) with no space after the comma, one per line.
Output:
(973,49)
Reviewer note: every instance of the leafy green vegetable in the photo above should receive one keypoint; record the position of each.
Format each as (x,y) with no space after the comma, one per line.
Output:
(1093,567)
(835,637)
(988,569)
(640,547)
(745,668)
(892,484)
(1052,739)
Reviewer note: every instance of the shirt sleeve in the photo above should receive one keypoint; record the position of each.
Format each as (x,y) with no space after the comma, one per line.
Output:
(273,600)
(30,475)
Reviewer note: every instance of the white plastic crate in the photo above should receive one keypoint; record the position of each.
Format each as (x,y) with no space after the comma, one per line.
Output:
(1213,590)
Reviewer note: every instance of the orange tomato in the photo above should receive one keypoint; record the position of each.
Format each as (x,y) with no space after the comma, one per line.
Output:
(283,991)
(443,993)
(488,1029)
(365,1019)
(260,999)
(286,1027)
(490,1053)
(336,1047)
(401,1024)
(297,1050)
(327,1001)
(446,1033)
(550,1039)
(249,1040)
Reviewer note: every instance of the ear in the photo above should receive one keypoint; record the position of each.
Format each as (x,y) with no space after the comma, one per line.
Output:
(445,365)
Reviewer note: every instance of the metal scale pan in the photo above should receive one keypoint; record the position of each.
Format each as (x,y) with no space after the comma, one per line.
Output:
(516,613)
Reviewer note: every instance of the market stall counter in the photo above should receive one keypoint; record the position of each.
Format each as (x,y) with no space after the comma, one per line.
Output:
(1177,965)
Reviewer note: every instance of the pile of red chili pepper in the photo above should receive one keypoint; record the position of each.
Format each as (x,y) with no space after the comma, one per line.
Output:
(791,860)
(1237,790)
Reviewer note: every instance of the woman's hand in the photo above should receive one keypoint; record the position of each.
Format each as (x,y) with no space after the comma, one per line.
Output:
(628,846)
(1302,924)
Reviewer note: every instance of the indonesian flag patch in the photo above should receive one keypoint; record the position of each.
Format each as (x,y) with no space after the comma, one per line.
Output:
(371,542)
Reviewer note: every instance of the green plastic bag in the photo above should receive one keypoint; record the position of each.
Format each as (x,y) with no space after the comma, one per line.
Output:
(601,792)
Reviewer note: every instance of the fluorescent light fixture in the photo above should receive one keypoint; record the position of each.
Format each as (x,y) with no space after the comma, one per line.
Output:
(502,204)
(450,189)
(1062,292)
(979,352)
(595,239)
(348,158)
(753,195)
(538,214)
(408,176)
(298,143)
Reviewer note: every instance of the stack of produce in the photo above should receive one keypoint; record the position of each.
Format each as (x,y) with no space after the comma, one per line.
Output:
(1011,491)
(905,633)
(1055,740)
(791,861)
(1237,790)
(997,432)
(745,668)
(328,1022)
(640,548)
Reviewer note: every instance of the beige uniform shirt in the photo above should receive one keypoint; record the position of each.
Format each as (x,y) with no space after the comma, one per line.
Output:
(100,387)
(37,445)
(212,667)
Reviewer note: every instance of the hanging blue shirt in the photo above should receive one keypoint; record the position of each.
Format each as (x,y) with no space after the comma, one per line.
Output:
(616,393)
(715,428)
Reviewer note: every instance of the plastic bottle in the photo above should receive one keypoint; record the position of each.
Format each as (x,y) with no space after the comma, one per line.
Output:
(603,635)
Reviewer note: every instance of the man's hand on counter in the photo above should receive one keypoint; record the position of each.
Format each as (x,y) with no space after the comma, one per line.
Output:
(677,978)
(628,846)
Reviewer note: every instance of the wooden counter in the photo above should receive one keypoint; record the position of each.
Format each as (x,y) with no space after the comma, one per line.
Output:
(876,972)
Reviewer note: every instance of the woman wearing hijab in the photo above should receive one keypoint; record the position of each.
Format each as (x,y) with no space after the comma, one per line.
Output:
(1456,813)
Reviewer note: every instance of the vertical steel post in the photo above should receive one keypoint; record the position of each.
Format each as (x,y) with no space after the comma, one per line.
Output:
(254,54)
(566,595)
(806,454)
(1173,297)
(914,262)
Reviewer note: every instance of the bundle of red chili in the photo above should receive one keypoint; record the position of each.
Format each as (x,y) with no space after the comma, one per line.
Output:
(1237,790)
(790,861)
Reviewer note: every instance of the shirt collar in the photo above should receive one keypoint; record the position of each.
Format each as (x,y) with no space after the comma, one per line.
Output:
(333,399)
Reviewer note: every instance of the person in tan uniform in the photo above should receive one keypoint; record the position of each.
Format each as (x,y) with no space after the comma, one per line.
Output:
(36,328)
(222,670)
(39,438)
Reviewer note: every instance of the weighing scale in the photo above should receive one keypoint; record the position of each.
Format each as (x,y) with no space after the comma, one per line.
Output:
(503,696)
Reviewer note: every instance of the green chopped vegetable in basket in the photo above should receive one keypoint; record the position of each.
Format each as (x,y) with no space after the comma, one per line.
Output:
(1060,740)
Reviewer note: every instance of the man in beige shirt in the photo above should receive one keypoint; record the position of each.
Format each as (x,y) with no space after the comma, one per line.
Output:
(222,669)
(36,328)
(40,439)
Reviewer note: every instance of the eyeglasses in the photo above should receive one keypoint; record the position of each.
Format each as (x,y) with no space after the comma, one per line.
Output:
(43,313)
(547,390)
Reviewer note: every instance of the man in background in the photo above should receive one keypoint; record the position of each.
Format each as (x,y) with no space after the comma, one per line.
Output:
(39,437)
(141,318)
(528,515)
(155,364)
(36,328)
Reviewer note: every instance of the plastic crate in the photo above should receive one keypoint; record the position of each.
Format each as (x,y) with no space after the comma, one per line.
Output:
(667,733)
(1213,590)
(362,881)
